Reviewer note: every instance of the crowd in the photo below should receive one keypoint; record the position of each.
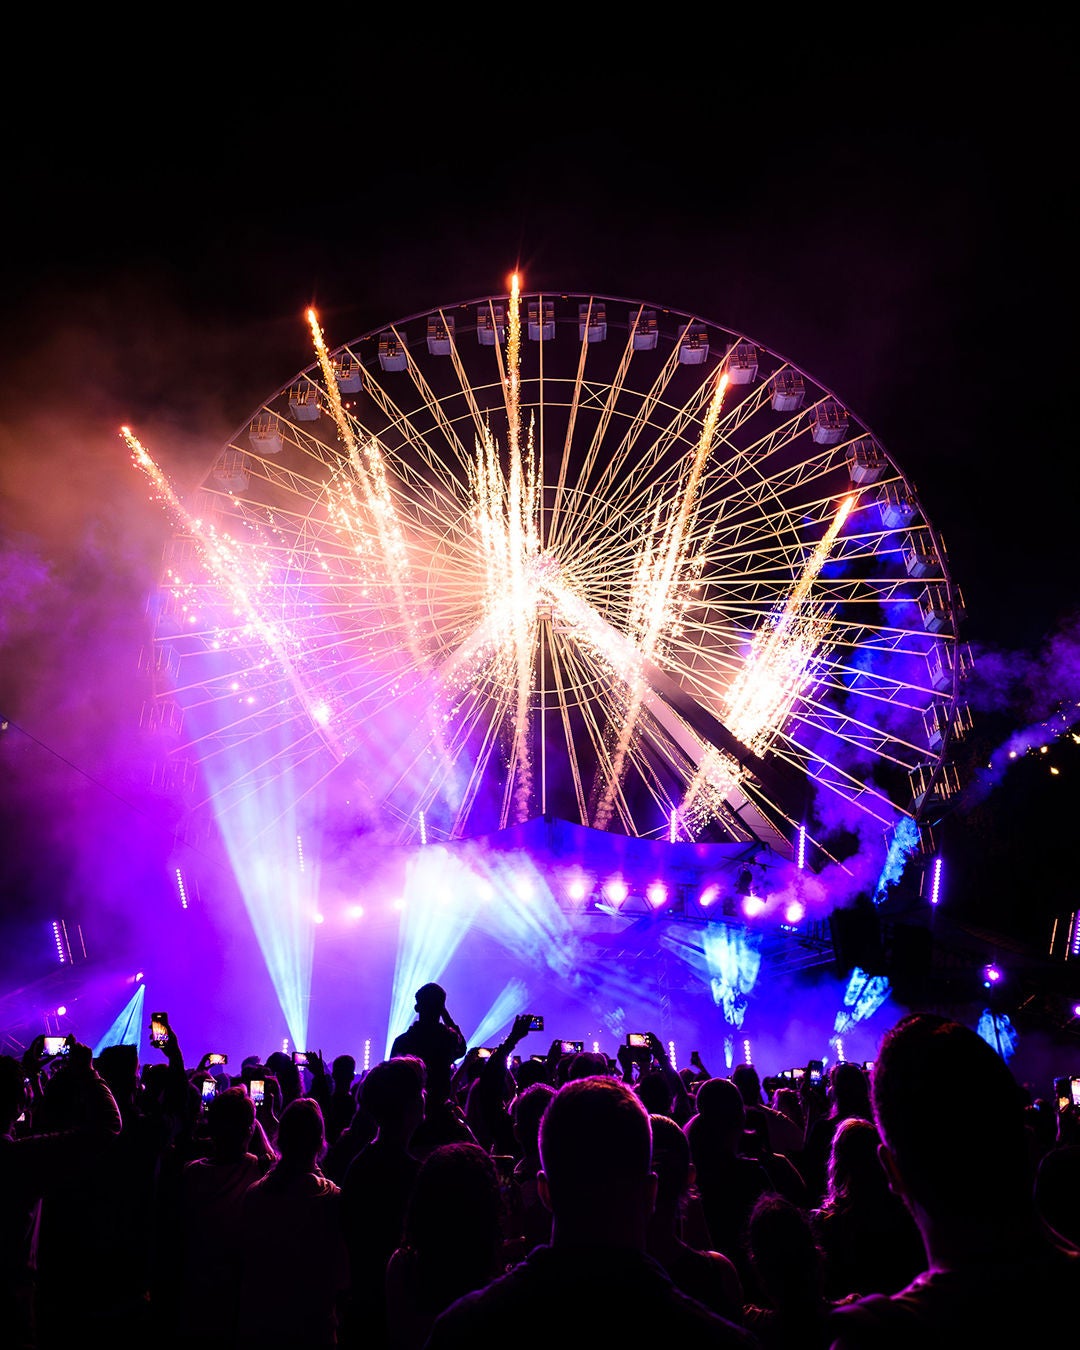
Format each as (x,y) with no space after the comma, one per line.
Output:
(445,1199)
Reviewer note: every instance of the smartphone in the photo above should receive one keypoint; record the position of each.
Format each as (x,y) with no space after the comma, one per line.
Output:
(258,1091)
(56,1045)
(815,1069)
(217,1058)
(536,1023)
(638,1040)
(159,1028)
(1074,1086)
(300,1057)
(868,1066)
(209,1089)
(797,1073)
(483,1052)
(572,1047)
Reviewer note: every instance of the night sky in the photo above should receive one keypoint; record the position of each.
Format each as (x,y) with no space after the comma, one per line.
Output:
(890,213)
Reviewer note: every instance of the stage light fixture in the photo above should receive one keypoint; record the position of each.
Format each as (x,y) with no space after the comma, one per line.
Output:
(656,894)
(616,891)
(577,889)
(795,912)
(709,895)
(744,882)
(752,906)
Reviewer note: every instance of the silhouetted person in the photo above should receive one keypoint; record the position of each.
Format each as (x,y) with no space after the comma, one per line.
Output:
(790,1311)
(436,1039)
(595,1284)
(452,1243)
(75,1278)
(708,1276)
(295,1270)
(342,1105)
(492,1090)
(1057,1178)
(210,1218)
(727,1181)
(376,1190)
(33,1165)
(847,1094)
(951,1117)
(359,1132)
(526,1111)
(286,1073)
(870,1241)
(783,1135)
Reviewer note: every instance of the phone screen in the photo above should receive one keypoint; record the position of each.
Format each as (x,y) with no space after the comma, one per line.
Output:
(56,1045)
(159,1028)
(638,1040)
(209,1089)
(258,1091)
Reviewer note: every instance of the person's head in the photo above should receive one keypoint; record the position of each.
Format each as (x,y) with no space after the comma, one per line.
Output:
(671,1163)
(287,1072)
(455,1204)
(655,1092)
(951,1118)
(119,1066)
(721,1108)
(301,1135)
(596,1162)
(855,1170)
(430,1002)
(784,1253)
(343,1071)
(849,1089)
(585,1064)
(787,1101)
(530,1071)
(745,1077)
(526,1111)
(230,1120)
(392,1093)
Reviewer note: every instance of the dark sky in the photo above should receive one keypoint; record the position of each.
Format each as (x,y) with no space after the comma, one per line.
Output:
(889,211)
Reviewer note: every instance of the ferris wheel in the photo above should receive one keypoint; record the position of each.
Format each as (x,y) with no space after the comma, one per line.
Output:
(565,555)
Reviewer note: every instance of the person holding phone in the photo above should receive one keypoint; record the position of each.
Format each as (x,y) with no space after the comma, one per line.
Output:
(436,1039)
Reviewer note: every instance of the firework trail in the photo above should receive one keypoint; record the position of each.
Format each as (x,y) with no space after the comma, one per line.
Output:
(662,574)
(761,696)
(370,470)
(225,560)
(519,513)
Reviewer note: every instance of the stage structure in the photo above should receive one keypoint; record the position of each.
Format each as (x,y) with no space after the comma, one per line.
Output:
(553,556)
